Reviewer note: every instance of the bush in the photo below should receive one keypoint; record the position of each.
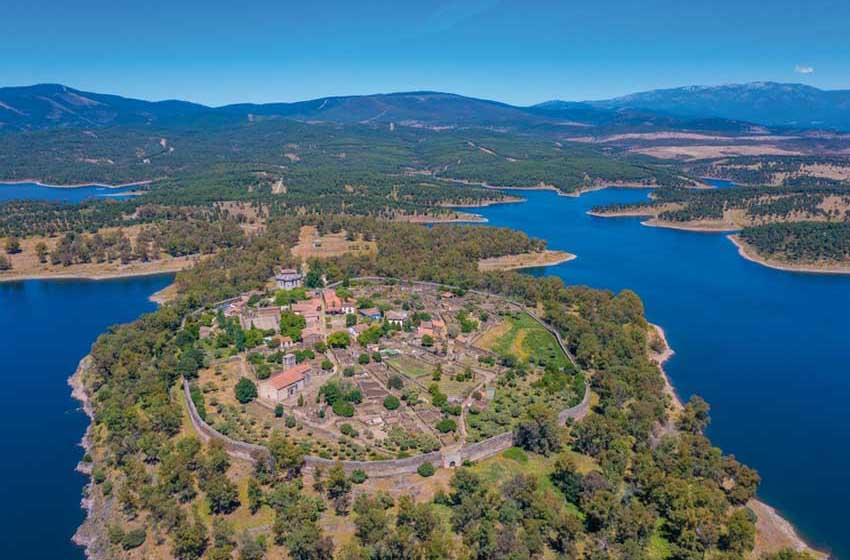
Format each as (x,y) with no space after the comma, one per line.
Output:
(358,476)
(245,390)
(348,371)
(363,359)
(426,470)
(290,421)
(343,408)
(263,371)
(349,430)
(446,425)
(327,365)
(376,357)
(278,411)
(391,402)
(395,382)
(133,539)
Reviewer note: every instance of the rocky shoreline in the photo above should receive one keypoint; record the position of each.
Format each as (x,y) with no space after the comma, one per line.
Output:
(91,534)
(773,532)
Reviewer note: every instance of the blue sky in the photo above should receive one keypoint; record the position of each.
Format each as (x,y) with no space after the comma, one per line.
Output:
(218,52)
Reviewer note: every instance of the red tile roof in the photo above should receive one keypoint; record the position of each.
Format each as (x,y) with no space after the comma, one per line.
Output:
(288,377)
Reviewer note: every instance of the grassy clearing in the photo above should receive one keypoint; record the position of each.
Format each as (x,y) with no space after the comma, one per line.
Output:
(525,338)
(411,366)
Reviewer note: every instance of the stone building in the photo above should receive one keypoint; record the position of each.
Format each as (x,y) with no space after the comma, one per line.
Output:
(286,383)
(288,279)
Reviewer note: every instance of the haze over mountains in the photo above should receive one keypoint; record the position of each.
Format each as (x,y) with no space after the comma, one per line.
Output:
(695,107)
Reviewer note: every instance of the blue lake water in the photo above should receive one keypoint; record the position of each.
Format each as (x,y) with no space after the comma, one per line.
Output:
(47,327)
(769,350)
(33,191)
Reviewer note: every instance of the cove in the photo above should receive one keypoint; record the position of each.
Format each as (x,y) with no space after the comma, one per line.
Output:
(767,349)
(34,191)
(47,326)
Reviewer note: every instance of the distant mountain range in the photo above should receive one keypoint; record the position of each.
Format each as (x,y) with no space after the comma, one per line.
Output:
(768,103)
(730,107)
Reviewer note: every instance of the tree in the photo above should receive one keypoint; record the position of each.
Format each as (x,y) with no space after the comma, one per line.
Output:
(350,319)
(189,540)
(287,456)
(13,245)
(278,411)
(427,340)
(339,339)
(251,549)
(245,390)
(255,495)
(539,432)
(222,494)
(313,280)
(339,489)
(363,359)
(566,478)
(740,536)
(694,417)
(391,402)
(42,251)
(395,382)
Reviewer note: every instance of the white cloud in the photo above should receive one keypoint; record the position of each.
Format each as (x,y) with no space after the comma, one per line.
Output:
(801,69)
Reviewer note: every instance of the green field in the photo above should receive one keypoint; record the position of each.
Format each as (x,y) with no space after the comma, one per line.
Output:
(528,340)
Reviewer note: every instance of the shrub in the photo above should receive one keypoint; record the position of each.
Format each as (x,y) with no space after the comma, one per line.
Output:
(446,425)
(349,430)
(348,371)
(278,411)
(391,402)
(290,421)
(426,470)
(358,476)
(263,371)
(343,408)
(133,539)
(327,365)
(395,382)
(363,359)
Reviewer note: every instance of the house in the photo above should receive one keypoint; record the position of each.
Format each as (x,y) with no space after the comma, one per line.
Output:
(286,342)
(312,305)
(333,303)
(312,336)
(396,318)
(283,385)
(288,279)
(435,328)
(349,306)
(263,318)
(372,313)
(289,361)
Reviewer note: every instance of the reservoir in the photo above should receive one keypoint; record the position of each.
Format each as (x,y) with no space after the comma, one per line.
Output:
(34,191)
(768,349)
(47,327)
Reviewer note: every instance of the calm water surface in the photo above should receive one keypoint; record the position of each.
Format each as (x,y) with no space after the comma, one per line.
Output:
(32,191)
(768,349)
(47,327)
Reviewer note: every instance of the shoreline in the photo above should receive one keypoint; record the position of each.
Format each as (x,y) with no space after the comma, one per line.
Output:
(773,532)
(171,267)
(76,185)
(748,253)
(90,532)
(506,263)
(485,203)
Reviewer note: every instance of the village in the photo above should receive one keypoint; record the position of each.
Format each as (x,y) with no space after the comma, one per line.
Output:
(374,370)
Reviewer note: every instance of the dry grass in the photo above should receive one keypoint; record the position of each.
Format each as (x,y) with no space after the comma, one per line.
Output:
(312,245)
(524,260)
